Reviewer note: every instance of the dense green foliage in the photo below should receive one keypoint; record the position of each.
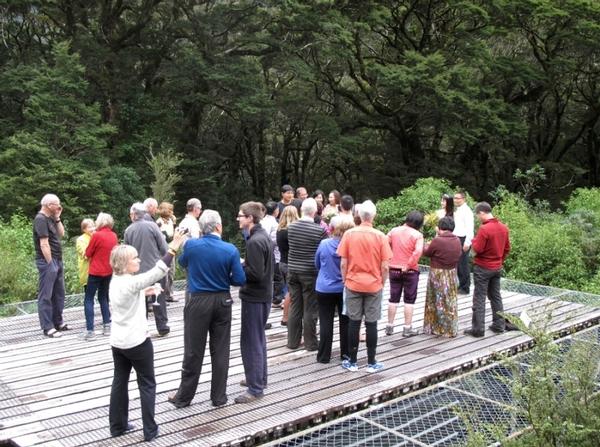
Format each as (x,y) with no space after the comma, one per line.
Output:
(560,249)
(364,96)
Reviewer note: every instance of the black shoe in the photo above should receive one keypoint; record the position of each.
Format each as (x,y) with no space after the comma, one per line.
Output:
(129,428)
(172,299)
(472,333)
(164,332)
(177,404)
(283,323)
(219,403)
(154,436)
(268,326)
(495,330)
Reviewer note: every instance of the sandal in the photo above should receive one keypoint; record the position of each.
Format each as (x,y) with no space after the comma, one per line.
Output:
(63,327)
(52,333)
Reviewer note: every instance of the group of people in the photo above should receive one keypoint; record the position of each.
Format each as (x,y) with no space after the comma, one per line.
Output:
(314,257)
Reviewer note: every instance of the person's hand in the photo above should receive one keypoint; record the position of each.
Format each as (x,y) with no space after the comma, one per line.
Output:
(58,211)
(179,238)
(149,291)
(466,247)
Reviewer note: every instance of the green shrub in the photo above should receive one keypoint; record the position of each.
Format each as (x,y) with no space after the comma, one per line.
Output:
(544,248)
(423,196)
(18,274)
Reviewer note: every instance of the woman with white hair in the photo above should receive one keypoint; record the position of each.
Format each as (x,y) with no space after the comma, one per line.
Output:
(129,338)
(99,273)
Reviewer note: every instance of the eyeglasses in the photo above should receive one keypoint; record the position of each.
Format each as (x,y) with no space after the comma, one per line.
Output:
(458,198)
(239,216)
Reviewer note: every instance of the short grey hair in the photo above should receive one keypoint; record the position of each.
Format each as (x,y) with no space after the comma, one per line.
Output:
(150,202)
(104,220)
(367,211)
(138,210)
(48,199)
(120,256)
(192,204)
(209,221)
(309,207)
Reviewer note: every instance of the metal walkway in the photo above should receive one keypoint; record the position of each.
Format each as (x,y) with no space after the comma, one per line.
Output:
(55,392)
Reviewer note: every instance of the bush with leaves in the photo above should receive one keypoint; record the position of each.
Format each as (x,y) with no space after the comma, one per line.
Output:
(423,196)
(18,274)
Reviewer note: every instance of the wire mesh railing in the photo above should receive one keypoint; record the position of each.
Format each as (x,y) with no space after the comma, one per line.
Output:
(507,284)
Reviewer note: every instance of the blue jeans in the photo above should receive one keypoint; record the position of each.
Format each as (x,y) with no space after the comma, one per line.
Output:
(51,293)
(99,283)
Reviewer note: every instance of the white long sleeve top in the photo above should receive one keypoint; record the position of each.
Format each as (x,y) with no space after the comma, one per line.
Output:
(464,223)
(129,327)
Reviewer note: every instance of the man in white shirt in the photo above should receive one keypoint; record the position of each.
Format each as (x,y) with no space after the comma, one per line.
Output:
(190,221)
(270,224)
(464,227)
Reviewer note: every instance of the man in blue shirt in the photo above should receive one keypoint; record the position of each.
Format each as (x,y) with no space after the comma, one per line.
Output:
(213,266)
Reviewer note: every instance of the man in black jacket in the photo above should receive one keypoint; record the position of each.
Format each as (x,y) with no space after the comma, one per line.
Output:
(256,298)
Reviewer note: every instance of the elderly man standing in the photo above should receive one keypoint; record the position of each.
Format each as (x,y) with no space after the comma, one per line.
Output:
(491,246)
(151,245)
(151,205)
(213,266)
(256,296)
(365,254)
(48,229)
(190,221)
(304,236)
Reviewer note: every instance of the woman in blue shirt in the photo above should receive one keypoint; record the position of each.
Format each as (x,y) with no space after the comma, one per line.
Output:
(329,288)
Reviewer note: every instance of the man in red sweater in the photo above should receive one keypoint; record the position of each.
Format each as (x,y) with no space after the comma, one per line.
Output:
(491,246)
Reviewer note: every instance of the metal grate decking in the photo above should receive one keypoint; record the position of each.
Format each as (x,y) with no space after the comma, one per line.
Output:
(445,414)
(55,392)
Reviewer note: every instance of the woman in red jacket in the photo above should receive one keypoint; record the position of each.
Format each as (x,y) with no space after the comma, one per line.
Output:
(100,273)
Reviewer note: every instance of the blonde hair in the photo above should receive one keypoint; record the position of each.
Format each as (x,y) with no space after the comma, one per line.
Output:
(340,225)
(288,215)
(104,220)
(120,257)
(85,223)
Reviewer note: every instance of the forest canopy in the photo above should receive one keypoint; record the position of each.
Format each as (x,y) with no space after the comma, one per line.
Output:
(364,96)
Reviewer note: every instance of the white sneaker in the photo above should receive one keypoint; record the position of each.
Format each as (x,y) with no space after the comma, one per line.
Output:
(374,367)
(87,335)
(347,364)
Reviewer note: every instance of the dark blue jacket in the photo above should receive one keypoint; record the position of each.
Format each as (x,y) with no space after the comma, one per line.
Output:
(212,265)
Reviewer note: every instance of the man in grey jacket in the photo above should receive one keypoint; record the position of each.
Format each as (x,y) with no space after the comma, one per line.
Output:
(151,245)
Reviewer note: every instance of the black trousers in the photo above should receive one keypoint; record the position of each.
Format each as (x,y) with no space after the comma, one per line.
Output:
(205,313)
(328,302)
(253,345)
(140,358)
(463,270)
(160,312)
(487,282)
(304,311)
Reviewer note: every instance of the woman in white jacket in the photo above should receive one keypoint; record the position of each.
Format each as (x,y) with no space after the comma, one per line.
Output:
(129,338)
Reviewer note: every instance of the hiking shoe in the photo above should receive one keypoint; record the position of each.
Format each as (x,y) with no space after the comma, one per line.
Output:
(347,364)
(106,329)
(374,367)
(473,333)
(409,332)
(389,329)
(246,398)
(87,335)
(495,330)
